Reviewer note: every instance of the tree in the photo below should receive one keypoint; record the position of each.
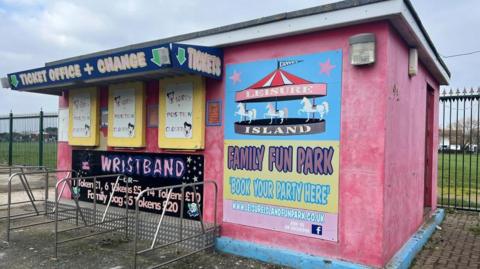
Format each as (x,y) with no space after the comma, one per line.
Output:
(460,133)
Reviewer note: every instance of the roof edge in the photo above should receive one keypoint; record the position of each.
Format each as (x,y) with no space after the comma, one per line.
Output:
(329,16)
(230,27)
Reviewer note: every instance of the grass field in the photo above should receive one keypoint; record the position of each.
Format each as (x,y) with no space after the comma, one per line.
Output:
(459,176)
(26,153)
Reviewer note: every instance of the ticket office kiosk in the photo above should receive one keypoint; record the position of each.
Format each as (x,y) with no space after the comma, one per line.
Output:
(310,155)
(139,112)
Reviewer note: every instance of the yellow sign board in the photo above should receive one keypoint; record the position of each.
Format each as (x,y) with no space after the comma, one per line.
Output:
(297,174)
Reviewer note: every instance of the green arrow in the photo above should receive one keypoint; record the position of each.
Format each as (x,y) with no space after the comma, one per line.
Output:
(156,57)
(181,56)
(14,80)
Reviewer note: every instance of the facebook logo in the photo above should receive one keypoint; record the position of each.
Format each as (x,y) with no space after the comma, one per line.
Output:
(316,229)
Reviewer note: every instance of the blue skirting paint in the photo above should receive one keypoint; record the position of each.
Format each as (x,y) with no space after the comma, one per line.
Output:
(402,259)
(280,256)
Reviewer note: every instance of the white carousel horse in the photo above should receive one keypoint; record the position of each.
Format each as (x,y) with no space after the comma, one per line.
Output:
(250,114)
(273,113)
(308,108)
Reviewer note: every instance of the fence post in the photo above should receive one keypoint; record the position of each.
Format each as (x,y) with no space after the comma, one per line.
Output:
(10,140)
(40,139)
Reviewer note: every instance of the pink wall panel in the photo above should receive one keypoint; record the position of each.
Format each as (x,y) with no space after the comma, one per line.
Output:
(64,151)
(405,147)
(214,155)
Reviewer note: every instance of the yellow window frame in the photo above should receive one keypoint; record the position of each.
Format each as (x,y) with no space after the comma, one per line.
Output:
(197,141)
(138,140)
(94,138)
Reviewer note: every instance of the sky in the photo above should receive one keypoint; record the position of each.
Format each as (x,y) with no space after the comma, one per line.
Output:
(34,32)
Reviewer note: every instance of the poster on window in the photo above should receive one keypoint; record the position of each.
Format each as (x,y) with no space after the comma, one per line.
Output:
(179,110)
(123,113)
(81,114)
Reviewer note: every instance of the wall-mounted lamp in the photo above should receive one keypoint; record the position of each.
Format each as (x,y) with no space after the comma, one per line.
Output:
(5,83)
(362,49)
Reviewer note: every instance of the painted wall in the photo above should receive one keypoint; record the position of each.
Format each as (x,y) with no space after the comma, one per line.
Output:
(371,185)
(64,151)
(361,146)
(405,147)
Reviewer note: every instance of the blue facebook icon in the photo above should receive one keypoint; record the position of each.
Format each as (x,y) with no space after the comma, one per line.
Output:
(316,229)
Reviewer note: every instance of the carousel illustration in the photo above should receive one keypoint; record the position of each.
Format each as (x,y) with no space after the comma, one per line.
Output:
(275,89)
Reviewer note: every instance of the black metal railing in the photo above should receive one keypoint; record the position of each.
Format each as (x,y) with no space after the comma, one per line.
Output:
(29,139)
(459,140)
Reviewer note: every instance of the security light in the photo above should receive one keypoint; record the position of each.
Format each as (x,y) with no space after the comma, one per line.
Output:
(362,49)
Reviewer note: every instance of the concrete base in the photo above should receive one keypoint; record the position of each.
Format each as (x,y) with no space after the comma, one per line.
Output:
(402,259)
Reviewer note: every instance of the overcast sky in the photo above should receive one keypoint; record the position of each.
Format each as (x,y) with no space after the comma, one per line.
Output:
(33,32)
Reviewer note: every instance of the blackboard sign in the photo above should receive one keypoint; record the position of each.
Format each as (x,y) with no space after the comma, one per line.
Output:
(148,170)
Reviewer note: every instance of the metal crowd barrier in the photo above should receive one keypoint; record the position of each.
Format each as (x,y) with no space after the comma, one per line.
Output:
(102,221)
(23,179)
(20,172)
(181,238)
(94,223)
(18,168)
(23,216)
(8,169)
(68,212)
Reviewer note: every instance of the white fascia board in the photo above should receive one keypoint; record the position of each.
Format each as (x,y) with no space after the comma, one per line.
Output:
(328,20)
(332,19)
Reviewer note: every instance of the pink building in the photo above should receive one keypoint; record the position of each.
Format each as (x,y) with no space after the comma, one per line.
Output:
(318,127)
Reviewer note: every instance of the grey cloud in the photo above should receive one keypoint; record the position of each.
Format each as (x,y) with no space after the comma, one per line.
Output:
(40,31)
